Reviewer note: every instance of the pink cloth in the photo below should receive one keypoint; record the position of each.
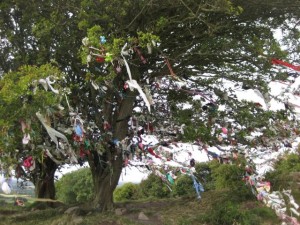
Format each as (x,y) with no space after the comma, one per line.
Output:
(224,130)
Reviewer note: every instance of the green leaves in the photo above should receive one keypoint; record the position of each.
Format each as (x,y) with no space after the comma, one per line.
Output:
(75,187)
(21,96)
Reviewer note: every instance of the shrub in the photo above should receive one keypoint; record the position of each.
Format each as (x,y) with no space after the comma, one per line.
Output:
(203,173)
(226,176)
(285,172)
(75,187)
(286,175)
(184,186)
(154,187)
(128,191)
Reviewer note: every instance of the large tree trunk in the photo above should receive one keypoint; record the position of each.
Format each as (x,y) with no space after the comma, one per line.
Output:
(44,180)
(105,183)
(106,169)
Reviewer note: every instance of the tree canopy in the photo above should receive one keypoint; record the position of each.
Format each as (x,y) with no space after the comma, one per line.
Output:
(82,76)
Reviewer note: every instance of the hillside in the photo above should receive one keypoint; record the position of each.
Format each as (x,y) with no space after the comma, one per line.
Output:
(216,207)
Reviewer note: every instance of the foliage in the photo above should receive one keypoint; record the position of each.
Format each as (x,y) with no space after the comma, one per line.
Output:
(184,186)
(75,187)
(154,187)
(127,191)
(286,173)
(21,96)
(199,50)
(204,175)
(230,177)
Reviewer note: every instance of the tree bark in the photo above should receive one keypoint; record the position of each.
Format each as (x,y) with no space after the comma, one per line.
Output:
(44,180)
(105,183)
(106,169)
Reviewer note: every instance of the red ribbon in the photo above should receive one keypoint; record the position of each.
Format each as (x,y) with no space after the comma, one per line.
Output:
(280,62)
(170,67)
(151,151)
(28,162)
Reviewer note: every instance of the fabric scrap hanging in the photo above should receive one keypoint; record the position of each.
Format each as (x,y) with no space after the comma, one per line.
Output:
(151,151)
(163,178)
(6,188)
(29,163)
(78,129)
(170,178)
(123,53)
(198,186)
(48,83)
(170,68)
(54,135)
(148,95)
(47,153)
(283,63)
(133,84)
(25,129)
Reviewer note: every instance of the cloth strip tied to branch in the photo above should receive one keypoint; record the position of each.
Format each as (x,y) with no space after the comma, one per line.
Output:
(280,62)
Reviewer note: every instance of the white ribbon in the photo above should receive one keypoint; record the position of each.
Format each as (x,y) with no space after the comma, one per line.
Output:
(44,84)
(52,157)
(48,83)
(123,52)
(5,188)
(26,136)
(95,86)
(54,134)
(148,95)
(85,41)
(134,85)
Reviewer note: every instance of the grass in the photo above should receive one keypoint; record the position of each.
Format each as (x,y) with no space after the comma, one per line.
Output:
(215,208)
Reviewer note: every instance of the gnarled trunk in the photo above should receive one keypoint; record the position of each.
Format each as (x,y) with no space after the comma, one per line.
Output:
(105,182)
(106,169)
(44,180)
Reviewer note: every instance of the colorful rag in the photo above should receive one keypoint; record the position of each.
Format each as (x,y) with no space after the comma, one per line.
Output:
(78,130)
(170,178)
(280,62)
(198,186)
(28,162)
(102,40)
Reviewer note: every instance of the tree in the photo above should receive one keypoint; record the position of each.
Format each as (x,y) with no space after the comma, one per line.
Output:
(25,141)
(174,49)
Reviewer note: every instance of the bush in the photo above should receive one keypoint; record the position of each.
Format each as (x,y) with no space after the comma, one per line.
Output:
(154,187)
(128,191)
(203,173)
(184,186)
(286,175)
(285,172)
(75,187)
(226,176)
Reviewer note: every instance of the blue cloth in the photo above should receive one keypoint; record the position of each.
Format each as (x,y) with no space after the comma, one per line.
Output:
(116,141)
(198,186)
(78,130)
(213,154)
(102,40)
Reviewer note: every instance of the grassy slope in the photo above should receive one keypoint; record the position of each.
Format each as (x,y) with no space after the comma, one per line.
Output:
(216,207)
